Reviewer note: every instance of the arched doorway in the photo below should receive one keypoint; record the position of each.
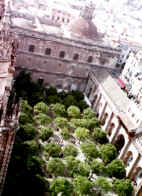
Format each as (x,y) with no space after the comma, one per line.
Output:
(119,142)
(95,98)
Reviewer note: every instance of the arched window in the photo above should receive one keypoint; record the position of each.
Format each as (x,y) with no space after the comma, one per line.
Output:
(111,127)
(89,92)
(119,142)
(128,158)
(95,98)
(75,57)
(102,60)
(62,54)
(90,59)
(31,48)
(137,175)
(48,51)
(104,118)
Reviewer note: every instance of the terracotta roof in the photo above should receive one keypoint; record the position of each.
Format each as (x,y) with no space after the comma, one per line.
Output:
(84,28)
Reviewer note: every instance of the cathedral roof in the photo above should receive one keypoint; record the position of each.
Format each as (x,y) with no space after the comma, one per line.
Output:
(84,28)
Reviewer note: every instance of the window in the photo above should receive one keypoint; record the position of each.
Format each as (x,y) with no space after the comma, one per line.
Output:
(118,65)
(62,54)
(48,51)
(95,98)
(128,158)
(40,81)
(1,113)
(31,48)
(76,57)
(90,59)
(133,115)
(110,129)
(104,119)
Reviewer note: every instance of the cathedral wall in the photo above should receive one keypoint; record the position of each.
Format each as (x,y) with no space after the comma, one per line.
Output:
(62,56)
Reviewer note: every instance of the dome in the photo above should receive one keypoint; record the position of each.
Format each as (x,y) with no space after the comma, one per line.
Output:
(83,28)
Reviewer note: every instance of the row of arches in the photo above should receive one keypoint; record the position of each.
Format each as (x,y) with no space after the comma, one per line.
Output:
(62,54)
(136,174)
(119,142)
(118,138)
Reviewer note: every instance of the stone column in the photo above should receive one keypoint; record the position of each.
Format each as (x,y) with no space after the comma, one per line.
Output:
(114,136)
(109,121)
(97,103)
(87,88)
(94,99)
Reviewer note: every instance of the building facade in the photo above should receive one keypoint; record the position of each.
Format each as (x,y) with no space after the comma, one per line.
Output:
(111,108)
(8,118)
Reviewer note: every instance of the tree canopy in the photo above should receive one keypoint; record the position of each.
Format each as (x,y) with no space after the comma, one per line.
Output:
(56,167)
(76,167)
(103,184)
(45,133)
(88,113)
(123,187)
(82,185)
(61,185)
(81,133)
(61,122)
(58,109)
(70,150)
(27,132)
(90,150)
(53,149)
(41,107)
(73,111)
(116,168)
(42,119)
(65,133)
(100,136)
(108,152)
(98,167)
